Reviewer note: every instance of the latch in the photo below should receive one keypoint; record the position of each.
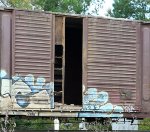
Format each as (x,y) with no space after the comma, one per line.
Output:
(125,94)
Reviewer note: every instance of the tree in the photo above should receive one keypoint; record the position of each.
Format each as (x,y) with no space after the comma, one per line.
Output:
(131,9)
(65,6)
(21,4)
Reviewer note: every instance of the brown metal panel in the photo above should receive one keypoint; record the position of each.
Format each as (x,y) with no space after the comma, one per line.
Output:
(139,63)
(146,67)
(33,44)
(5,42)
(112,59)
(13,42)
(146,63)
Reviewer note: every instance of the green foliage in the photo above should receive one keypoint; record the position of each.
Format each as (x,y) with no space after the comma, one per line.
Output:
(34,124)
(76,6)
(144,124)
(70,124)
(96,126)
(39,123)
(64,6)
(121,9)
(7,124)
(131,9)
(20,4)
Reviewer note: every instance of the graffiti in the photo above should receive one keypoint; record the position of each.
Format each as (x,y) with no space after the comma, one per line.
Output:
(128,108)
(31,113)
(98,101)
(35,87)
(26,92)
(35,93)
(3,73)
(22,100)
(32,88)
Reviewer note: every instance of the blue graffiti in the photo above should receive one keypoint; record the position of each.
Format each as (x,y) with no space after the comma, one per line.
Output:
(16,78)
(35,87)
(3,73)
(98,114)
(93,99)
(49,87)
(98,101)
(23,100)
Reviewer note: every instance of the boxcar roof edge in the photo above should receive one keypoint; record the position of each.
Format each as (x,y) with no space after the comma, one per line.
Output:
(75,15)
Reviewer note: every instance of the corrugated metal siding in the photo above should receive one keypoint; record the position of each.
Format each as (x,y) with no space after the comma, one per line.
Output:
(112,58)
(146,66)
(32,48)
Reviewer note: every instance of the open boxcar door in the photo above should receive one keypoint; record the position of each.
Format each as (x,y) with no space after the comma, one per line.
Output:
(32,60)
(111,66)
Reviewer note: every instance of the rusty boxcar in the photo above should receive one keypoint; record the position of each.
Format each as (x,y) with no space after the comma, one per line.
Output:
(73,66)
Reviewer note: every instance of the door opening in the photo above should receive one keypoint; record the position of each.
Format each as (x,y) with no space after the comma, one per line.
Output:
(73,61)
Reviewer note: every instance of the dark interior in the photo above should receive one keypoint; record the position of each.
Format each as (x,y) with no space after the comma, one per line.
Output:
(73,61)
(58,73)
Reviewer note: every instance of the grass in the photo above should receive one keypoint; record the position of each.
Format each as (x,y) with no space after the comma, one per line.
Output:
(34,124)
(67,124)
(144,125)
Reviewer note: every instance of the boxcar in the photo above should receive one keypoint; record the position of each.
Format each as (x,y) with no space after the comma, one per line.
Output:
(62,65)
